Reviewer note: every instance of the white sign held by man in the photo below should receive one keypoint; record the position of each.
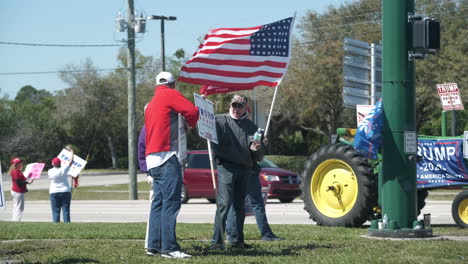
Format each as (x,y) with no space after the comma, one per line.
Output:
(207,122)
(78,163)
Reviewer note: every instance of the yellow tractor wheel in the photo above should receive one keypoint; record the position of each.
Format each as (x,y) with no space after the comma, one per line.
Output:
(339,187)
(460,209)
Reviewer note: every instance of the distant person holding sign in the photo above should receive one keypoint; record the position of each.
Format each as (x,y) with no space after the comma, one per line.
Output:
(59,190)
(18,188)
(235,155)
(161,123)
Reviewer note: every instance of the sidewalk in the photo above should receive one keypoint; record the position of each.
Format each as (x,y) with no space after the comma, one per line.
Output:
(86,179)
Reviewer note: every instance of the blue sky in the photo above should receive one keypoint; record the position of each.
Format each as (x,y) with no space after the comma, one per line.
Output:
(92,22)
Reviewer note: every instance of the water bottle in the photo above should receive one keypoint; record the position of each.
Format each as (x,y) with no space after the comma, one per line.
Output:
(385,221)
(258,135)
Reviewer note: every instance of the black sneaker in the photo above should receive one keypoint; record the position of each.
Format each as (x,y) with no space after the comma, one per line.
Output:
(240,246)
(216,247)
(152,252)
(273,238)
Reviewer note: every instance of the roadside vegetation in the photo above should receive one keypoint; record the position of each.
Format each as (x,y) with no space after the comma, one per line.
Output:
(124,243)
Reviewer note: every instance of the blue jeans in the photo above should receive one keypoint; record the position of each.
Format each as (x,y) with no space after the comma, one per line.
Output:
(231,192)
(60,201)
(254,193)
(167,186)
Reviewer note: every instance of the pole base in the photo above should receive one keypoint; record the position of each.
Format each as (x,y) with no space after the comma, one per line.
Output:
(400,233)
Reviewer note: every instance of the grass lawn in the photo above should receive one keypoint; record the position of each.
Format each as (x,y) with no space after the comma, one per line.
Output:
(124,243)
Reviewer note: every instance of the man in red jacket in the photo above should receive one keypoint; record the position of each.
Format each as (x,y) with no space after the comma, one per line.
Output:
(161,122)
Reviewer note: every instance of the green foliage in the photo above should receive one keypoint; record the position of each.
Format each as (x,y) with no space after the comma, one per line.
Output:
(292,163)
(28,131)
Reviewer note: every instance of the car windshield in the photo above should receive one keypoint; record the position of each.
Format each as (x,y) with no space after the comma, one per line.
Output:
(266,163)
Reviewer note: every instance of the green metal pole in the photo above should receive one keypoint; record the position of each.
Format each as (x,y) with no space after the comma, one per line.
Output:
(398,172)
(444,124)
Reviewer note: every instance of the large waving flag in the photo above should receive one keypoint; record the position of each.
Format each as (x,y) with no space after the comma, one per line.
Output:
(241,58)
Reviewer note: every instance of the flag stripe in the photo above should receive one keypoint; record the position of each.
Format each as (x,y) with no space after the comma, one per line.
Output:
(229,41)
(222,30)
(280,62)
(231,73)
(224,51)
(244,85)
(241,63)
(234,81)
(233,68)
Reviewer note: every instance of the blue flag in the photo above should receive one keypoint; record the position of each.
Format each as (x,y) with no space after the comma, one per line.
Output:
(369,135)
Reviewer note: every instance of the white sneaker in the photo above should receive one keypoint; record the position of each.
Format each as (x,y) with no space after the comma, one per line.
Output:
(176,254)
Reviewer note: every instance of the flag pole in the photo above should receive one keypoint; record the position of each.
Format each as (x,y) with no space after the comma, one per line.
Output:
(276,88)
(271,110)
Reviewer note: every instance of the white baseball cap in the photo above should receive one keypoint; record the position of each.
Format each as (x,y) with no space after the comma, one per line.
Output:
(164,78)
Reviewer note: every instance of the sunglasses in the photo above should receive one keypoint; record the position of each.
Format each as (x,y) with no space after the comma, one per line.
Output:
(237,105)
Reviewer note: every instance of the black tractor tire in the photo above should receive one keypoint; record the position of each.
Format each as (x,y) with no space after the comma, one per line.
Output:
(211,200)
(460,209)
(184,195)
(339,187)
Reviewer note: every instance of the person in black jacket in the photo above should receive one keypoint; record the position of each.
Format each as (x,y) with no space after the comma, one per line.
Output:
(235,154)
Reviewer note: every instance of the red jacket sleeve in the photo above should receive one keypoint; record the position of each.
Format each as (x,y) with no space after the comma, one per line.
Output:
(182,105)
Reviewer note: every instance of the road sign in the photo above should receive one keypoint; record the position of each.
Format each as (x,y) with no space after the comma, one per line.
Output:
(362,73)
(450,96)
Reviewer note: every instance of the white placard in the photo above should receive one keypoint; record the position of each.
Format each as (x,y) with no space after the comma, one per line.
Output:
(465,144)
(207,123)
(78,163)
(2,197)
(411,142)
(450,96)
(361,112)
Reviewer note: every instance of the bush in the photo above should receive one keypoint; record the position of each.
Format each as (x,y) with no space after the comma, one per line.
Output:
(292,163)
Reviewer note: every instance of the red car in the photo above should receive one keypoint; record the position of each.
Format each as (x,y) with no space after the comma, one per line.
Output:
(197,182)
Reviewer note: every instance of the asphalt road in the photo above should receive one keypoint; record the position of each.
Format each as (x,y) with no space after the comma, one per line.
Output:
(196,211)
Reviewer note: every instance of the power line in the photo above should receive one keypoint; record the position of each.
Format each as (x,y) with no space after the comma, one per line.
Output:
(49,72)
(58,45)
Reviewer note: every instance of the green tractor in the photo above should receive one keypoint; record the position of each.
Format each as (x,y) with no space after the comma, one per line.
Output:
(340,187)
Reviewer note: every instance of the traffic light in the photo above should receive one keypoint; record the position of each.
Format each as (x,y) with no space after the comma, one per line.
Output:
(426,35)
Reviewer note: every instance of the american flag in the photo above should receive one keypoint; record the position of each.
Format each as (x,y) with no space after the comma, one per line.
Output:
(241,57)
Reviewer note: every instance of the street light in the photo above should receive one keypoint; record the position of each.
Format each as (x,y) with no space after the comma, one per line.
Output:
(162,18)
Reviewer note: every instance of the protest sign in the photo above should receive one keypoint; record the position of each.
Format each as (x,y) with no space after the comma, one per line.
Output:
(78,163)
(361,112)
(450,96)
(207,123)
(33,170)
(442,163)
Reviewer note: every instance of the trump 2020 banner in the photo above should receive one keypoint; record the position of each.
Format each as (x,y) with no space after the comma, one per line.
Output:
(442,163)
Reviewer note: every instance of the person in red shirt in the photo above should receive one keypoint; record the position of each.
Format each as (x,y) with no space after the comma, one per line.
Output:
(162,147)
(18,188)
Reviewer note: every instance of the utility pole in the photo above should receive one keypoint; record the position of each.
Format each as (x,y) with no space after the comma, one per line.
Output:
(132,185)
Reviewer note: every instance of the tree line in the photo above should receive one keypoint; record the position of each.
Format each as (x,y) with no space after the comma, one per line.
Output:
(91,112)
